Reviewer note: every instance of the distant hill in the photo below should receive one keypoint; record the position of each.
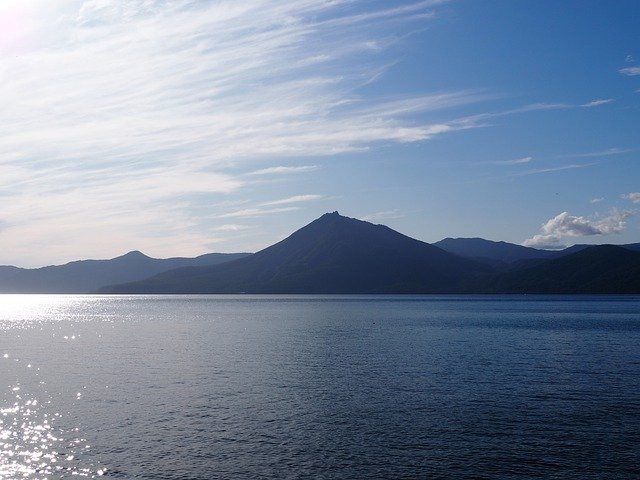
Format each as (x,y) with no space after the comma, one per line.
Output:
(333,254)
(87,276)
(492,252)
(503,253)
(579,247)
(595,269)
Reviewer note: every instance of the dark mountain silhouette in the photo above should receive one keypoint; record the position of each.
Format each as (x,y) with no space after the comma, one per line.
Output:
(579,247)
(595,269)
(632,246)
(491,252)
(87,276)
(509,254)
(333,254)
(336,254)
(7,271)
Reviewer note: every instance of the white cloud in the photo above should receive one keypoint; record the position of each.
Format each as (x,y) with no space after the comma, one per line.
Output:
(475,120)
(551,169)
(383,215)
(596,200)
(257,212)
(232,228)
(597,103)
(634,197)
(600,153)
(565,225)
(285,170)
(516,161)
(115,114)
(294,199)
(630,71)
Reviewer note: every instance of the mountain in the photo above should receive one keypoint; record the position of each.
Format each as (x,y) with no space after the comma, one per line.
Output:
(595,269)
(581,246)
(492,252)
(87,276)
(333,254)
(337,254)
(504,254)
(632,246)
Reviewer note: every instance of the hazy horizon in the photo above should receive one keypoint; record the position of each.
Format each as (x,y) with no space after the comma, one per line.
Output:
(179,129)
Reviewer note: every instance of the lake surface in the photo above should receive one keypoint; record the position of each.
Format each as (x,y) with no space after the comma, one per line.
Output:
(207,387)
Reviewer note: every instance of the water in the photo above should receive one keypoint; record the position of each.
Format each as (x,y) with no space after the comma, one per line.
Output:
(213,387)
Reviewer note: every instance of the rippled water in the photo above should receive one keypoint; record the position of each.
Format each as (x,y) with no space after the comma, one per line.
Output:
(319,387)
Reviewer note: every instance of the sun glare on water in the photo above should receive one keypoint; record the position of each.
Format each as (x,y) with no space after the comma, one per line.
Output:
(32,445)
(36,440)
(16,309)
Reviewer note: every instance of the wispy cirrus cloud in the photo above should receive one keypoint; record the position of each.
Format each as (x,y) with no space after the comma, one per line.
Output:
(599,153)
(633,197)
(257,212)
(559,168)
(630,71)
(382,215)
(515,161)
(135,107)
(294,199)
(281,170)
(232,227)
(282,205)
(597,103)
(478,119)
(596,200)
(564,226)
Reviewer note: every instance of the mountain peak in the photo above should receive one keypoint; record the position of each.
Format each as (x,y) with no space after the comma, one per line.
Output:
(329,215)
(332,254)
(134,254)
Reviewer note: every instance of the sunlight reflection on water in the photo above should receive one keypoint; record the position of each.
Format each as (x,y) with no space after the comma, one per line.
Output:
(33,443)
(25,310)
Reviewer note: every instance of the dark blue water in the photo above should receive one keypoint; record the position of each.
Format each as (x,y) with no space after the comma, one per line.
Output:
(320,387)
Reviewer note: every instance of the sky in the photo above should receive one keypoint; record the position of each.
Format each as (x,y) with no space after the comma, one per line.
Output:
(192,126)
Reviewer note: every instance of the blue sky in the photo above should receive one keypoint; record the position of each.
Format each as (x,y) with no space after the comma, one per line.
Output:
(185,127)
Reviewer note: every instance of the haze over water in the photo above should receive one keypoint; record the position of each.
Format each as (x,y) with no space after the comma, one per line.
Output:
(203,387)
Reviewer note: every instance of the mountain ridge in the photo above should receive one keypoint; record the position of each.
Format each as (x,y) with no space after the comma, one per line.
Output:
(332,254)
(499,251)
(336,254)
(87,276)
(596,269)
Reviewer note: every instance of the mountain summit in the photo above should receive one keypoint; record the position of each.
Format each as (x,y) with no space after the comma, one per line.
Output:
(332,254)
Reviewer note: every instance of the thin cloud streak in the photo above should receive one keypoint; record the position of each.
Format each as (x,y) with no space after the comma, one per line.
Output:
(257,212)
(285,170)
(516,161)
(551,169)
(633,197)
(601,153)
(383,215)
(597,103)
(475,120)
(630,71)
(294,199)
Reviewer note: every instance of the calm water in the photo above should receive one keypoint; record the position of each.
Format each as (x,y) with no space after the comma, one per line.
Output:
(319,387)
